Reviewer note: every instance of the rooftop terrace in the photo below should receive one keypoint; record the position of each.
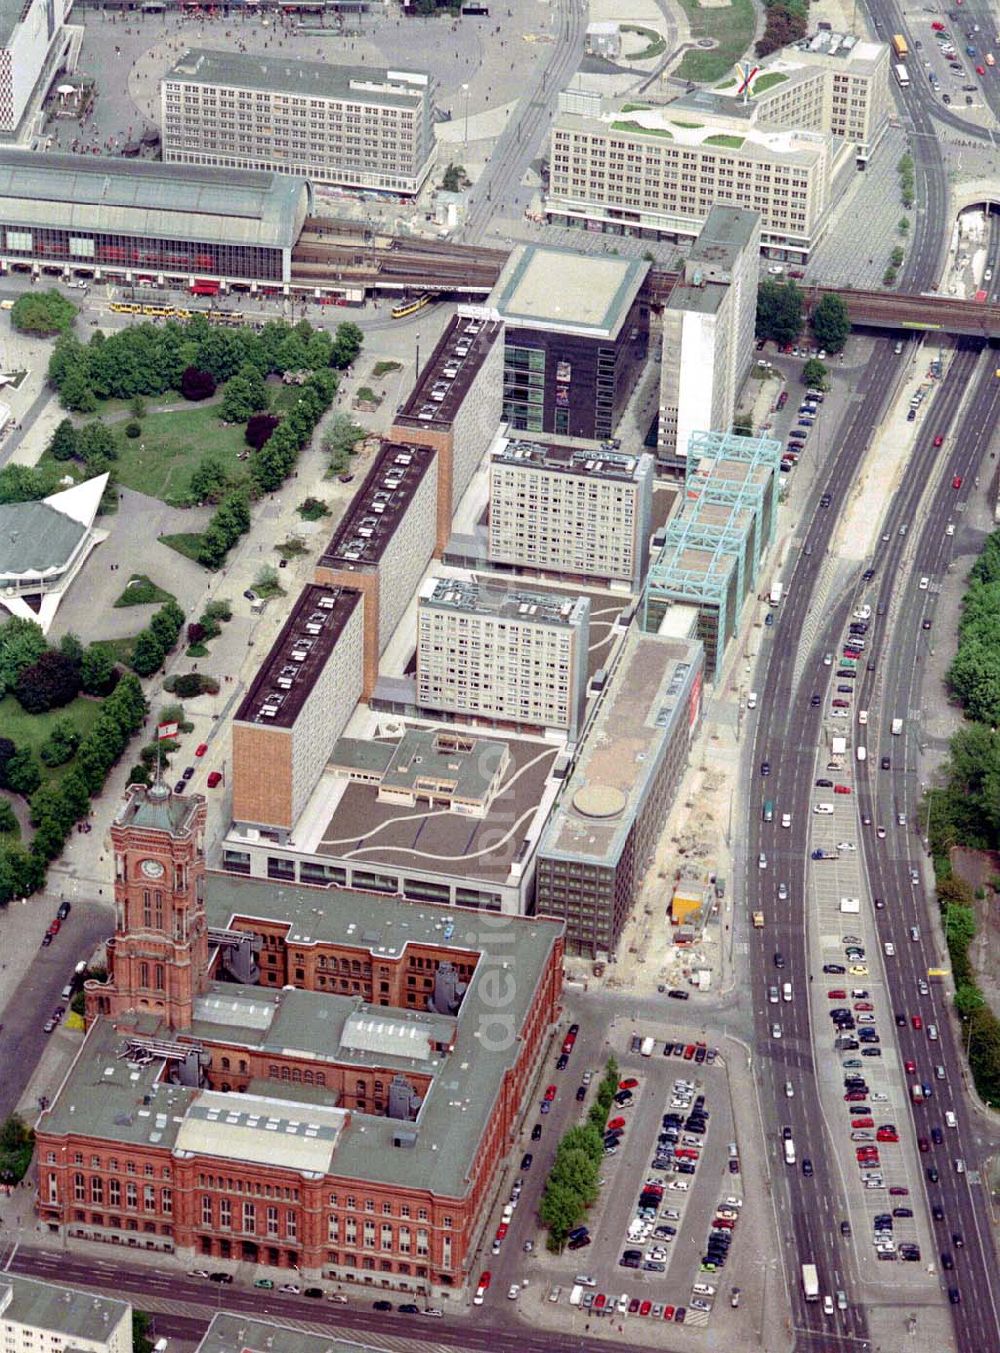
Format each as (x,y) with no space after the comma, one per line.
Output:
(454,364)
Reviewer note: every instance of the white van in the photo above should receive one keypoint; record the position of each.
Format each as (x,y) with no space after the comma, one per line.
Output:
(861,753)
(949,1118)
(897,727)
(752,700)
(786,991)
(862,716)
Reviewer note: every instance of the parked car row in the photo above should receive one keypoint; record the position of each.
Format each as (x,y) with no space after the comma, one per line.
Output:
(56,924)
(601,1304)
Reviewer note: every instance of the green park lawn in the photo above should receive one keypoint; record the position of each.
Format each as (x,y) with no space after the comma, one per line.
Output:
(732,27)
(31,730)
(160,462)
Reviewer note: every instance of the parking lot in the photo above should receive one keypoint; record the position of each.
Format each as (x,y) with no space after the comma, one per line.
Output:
(680,1194)
(864,1087)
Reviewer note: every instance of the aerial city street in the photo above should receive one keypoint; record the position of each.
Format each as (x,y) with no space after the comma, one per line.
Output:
(499,676)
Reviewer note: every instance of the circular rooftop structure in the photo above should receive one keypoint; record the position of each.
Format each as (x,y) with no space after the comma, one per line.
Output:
(601,801)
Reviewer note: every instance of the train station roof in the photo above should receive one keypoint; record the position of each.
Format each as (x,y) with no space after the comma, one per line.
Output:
(143,198)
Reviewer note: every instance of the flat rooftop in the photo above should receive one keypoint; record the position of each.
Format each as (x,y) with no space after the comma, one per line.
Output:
(367,831)
(301,79)
(62,1310)
(128,1100)
(375,512)
(503,600)
(298,656)
(567,459)
(150,199)
(723,124)
(649,692)
(560,289)
(230,1333)
(704,299)
(447,763)
(726,233)
(454,364)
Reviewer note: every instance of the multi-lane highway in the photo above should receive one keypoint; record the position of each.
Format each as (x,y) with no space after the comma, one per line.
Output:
(786,734)
(894,690)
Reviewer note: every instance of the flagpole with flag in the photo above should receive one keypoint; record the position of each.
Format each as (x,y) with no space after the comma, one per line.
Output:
(164,732)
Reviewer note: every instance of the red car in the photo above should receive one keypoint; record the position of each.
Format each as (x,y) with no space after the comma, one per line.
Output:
(917,1022)
(885,1135)
(910,1066)
(724,1224)
(837,995)
(956,483)
(842,789)
(980,70)
(502,1230)
(863,1005)
(923,1143)
(856,1096)
(55,927)
(899,1191)
(551,1093)
(600,1301)
(614,1124)
(201,749)
(629,1084)
(689,1052)
(214,778)
(937,26)
(645,1308)
(939,440)
(668,1312)
(867,1153)
(633,1306)
(862,1122)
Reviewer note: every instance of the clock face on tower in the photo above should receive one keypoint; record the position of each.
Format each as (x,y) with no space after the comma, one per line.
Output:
(152,869)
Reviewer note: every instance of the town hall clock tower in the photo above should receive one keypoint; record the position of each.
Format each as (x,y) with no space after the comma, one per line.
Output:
(158,957)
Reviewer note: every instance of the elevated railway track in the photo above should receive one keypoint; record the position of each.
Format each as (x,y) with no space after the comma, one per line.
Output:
(332,252)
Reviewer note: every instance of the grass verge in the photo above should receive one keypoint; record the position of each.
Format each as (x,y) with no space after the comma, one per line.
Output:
(142,591)
(31,730)
(732,28)
(187,543)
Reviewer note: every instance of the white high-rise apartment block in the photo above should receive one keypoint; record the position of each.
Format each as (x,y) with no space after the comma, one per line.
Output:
(563,509)
(708,333)
(350,125)
(33,41)
(502,655)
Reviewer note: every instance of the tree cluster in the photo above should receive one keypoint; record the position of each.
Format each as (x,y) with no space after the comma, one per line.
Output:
(339,440)
(276,458)
(830,323)
(27,483)
(43,313)
(259,428)
(154,642)
(55,808)
(230,520)
(17,1145)
(779,311)
(572,1186)
(146,359)
(981,1026)
(974,675)
(785,22)
(245,395)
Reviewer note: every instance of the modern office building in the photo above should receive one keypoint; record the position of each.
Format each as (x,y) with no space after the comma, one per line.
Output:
(577,330)
(384,542)
(39,1317)
(129,219)
(657,170)
(502,656)
(296,708)
(600,839)
(708,332)
(358,126)
(455,406)
(341,1110)
(713,549)
(570,510)
(34,42)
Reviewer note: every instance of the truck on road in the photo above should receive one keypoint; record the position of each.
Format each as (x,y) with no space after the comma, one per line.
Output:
(838,750)
(897,727)
(648,1044)
(810,1282)
(899,47)
(775,598)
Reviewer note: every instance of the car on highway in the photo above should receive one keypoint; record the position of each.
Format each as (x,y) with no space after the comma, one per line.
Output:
(939,440)
(956,483)
(917,1022)
(890,949)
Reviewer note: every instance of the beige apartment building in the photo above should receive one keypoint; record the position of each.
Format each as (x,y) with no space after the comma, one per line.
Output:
(784,148)
(350,125)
